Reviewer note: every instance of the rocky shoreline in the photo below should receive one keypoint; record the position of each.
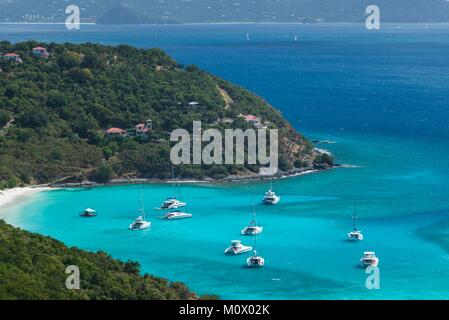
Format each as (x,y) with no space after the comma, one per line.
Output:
(230,179)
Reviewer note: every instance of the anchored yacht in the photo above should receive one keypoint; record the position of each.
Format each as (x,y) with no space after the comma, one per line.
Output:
(255,261)
(173,202)
(237,248)
(140,223)
(252,229)
(176,215)
(369,259)
(355,234)
(270,196)
(88,213)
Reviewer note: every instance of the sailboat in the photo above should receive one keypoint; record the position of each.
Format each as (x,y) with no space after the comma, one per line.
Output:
(140,223)
(355,234)
(270,196)
(247,37)
(255,261)
(252,229)
(173,202)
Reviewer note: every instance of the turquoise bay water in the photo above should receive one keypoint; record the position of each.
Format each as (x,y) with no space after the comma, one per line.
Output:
(382,97)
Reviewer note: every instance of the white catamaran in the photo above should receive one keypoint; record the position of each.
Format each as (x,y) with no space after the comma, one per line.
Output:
(252,229)
(173,202)
(355,234)
(270,196)
(177,215)
(255,261)
(140,223)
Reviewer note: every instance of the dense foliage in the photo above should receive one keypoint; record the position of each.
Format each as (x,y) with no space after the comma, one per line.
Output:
(34,267)
(54,112)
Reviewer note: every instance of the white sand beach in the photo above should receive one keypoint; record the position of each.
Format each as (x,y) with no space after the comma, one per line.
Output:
(11,196)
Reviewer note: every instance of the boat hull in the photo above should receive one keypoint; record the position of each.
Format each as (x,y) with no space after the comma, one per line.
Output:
(354,238)
(369,263)
(187,216)
(87,215)
(246,232)
(233,252)
(173,206)
(144,226)
(251,264)
(271,201)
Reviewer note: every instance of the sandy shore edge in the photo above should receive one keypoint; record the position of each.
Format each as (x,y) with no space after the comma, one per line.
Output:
(11,196)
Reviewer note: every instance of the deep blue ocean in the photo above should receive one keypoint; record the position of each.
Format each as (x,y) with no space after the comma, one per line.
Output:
(381,96)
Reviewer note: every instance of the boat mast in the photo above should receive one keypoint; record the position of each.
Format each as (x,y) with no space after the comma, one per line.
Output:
(255,236)
(255,245)
(173,178)
(254,214)
(142,208)
(354,216)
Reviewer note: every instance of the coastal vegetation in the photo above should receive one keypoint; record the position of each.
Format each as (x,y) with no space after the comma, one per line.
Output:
(55,112)
(34,267)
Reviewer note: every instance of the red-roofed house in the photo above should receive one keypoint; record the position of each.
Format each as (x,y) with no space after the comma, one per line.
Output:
(142,129)
(116,132)
(249,118)
(13,57)
(40,52)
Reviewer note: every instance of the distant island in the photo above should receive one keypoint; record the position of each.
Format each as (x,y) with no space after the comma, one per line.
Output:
(124,15)
(217,11)
(88,112)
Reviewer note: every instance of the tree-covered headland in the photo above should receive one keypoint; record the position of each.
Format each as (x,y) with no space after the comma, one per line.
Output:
(54,113)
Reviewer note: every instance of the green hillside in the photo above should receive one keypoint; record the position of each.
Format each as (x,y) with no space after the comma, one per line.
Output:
(33,267)
(54,113)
